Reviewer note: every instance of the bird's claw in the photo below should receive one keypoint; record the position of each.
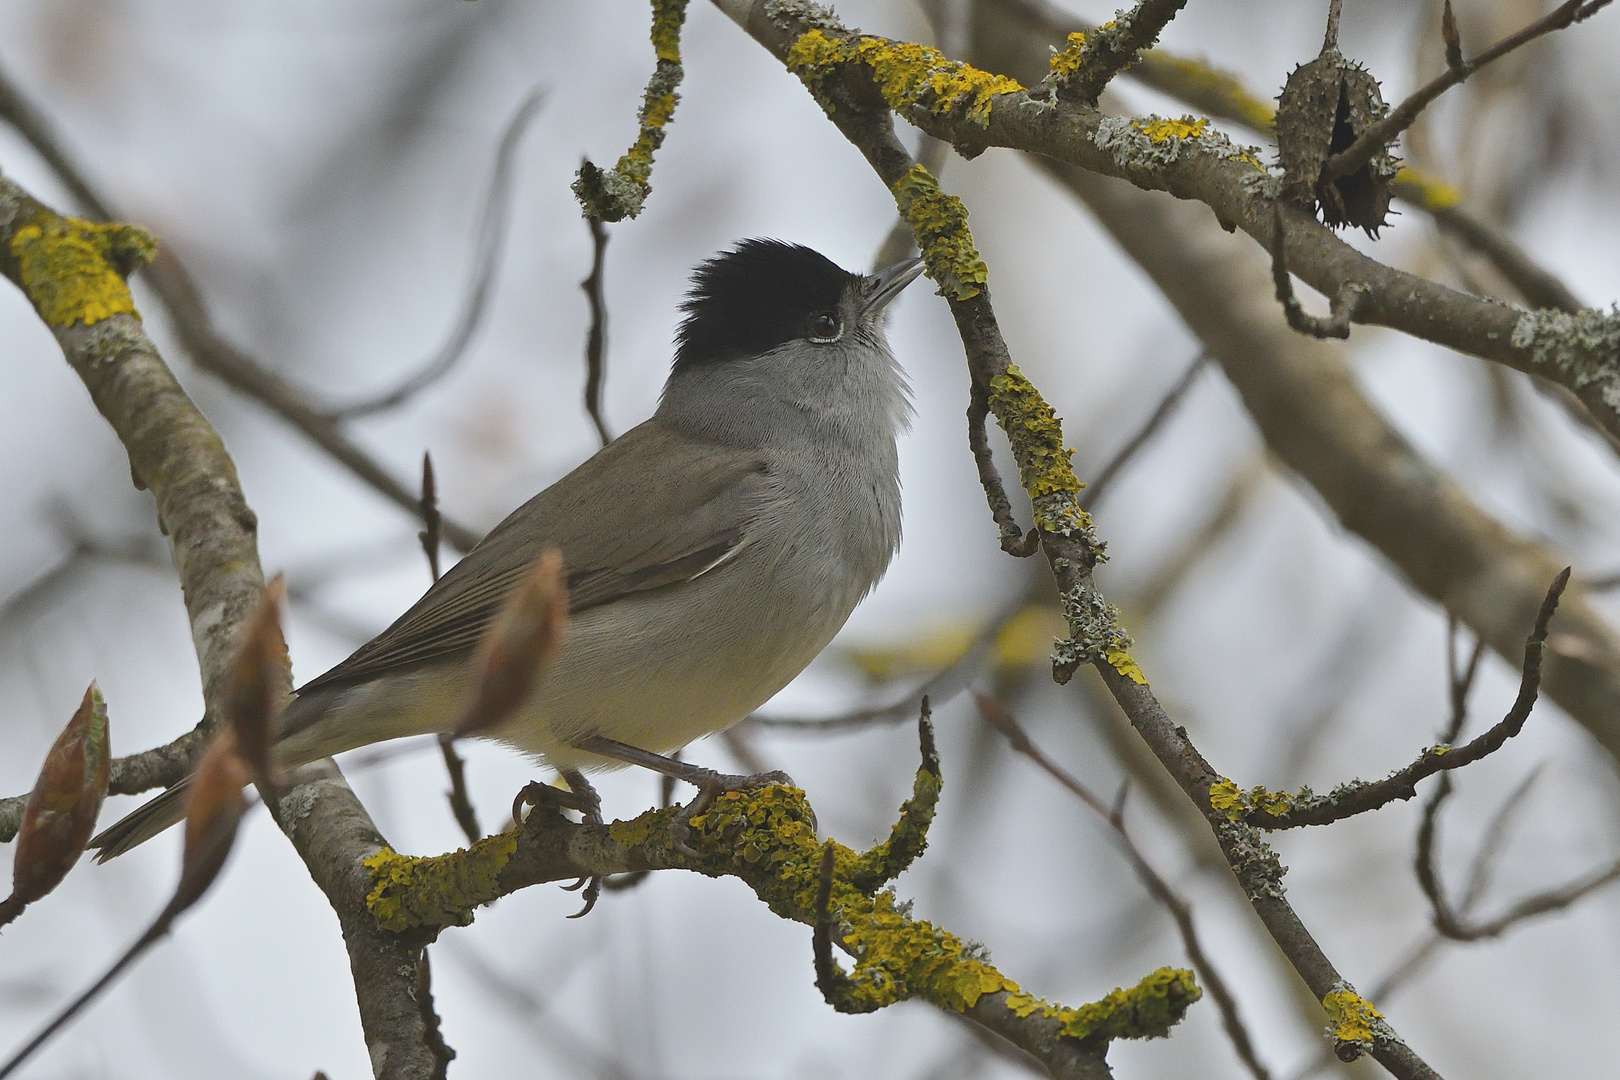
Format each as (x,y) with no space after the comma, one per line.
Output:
(580,797)
(711,785)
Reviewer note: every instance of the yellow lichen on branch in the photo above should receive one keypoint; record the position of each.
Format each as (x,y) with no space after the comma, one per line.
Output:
(620,192)
(1036,435)
(1064,64)
(1352,1021)
(1147,1010)
(939,223)
(1237,805)
(908,75)
(73,270)
(409,891)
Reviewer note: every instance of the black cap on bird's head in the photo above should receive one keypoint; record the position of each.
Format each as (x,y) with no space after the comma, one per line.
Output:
(765,293)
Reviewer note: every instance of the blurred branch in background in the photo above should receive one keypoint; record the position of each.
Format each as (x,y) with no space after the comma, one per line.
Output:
(494,223)
(999,717)
(208,348)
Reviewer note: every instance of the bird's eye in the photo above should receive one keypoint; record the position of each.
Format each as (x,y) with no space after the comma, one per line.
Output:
(824,326)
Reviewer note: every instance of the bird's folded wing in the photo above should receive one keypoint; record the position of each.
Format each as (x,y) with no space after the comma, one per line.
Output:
(626,523)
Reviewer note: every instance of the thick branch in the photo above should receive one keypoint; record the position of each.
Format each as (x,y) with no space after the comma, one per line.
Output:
(71,271)
(1191,161)
(766,839)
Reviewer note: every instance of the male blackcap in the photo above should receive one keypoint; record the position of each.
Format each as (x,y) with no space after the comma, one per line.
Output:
(711,552)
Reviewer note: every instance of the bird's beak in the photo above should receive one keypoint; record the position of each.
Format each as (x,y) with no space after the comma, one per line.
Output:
(886,284)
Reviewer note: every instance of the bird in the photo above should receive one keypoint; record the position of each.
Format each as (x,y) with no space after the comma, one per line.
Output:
(711,552)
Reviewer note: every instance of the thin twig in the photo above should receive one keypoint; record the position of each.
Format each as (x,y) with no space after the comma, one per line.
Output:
(1404,115)
(1344,304)
(1452,922)
(1362,796)
(596,341)
(1162,412)
(999,717)
(1116,46)
(1013,539)
(460,799)
(940,688)
(1330,39)
(493,226)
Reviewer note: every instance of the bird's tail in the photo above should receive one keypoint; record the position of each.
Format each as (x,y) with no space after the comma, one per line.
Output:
(143,823)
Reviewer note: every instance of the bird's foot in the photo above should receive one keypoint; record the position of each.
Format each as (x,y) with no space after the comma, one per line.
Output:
(710,784)
(580,797)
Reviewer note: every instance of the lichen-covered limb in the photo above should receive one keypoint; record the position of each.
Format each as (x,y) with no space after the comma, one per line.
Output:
(176,454)
(1115,46)
(767,839)
(845,93)
(1191,161)
(617,193)
(1282,810)
(1314,416)
(1221,95)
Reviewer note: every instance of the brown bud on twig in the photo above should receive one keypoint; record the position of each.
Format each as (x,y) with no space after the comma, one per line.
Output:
(1324,108)
(254,694)
(61,811)
(214,808)
(518,646)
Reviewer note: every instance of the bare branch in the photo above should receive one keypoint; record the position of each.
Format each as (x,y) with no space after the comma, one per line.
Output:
(1161,413)
(999,717)
(1385,131)
(1281,810)
(1345,301)
(596,341)
(494,222)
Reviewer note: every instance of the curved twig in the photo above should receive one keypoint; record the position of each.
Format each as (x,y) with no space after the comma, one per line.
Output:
(492,229)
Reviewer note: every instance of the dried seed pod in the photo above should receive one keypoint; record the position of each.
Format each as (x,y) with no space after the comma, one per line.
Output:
(1325,106)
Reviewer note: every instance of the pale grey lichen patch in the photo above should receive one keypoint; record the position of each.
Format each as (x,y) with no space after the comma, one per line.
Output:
(809,15)
(1153,142)
(1264,185)
(105,341)
(1094,632)
(296,804)
(1253,860)
(1582,345)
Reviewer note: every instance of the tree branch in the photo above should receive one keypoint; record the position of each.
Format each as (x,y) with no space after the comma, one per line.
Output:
(812,43)
(1191,161)
(73,273)
(767,839)
(1404,115)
